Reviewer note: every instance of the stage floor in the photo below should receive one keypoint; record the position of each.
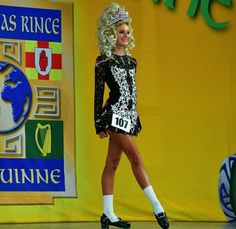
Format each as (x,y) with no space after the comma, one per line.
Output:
(135,225)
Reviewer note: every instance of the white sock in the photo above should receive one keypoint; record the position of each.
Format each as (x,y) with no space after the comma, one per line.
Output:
(149,192)
(108,208)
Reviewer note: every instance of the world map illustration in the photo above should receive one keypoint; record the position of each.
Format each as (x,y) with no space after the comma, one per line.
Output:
(15,97)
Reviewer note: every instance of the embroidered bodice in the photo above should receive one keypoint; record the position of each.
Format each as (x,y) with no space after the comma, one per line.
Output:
(118,72)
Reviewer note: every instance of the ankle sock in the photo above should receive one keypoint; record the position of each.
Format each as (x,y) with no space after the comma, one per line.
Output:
(108,208)
(156,205)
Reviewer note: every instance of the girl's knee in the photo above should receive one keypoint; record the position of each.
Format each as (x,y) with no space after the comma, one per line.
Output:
(115,163)
(135,158)
(112,164)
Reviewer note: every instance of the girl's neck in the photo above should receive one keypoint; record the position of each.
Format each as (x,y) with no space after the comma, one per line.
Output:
(118,51)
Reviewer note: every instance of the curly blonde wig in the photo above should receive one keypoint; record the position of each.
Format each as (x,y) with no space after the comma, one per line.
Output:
(113,16)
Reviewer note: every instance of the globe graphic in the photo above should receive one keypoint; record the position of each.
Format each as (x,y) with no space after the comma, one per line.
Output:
(15,97)
(226,187)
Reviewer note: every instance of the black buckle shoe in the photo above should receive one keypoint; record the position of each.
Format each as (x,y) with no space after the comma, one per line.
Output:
(162,220)
(105,223)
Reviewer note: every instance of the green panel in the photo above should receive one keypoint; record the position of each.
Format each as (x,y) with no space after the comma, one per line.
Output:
(44,139)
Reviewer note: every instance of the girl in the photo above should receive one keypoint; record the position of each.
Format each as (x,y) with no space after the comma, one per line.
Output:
(118,118)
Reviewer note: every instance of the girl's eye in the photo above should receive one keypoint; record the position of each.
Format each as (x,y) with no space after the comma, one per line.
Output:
(124,32)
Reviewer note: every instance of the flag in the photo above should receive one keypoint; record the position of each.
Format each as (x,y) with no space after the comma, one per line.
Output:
(43,60)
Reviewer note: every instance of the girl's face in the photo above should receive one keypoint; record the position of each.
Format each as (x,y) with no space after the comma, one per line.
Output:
(123,35)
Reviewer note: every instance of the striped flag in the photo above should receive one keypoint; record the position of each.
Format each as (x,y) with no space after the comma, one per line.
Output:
(43,60)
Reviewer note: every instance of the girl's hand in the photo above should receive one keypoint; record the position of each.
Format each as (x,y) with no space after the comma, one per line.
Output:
(103,134)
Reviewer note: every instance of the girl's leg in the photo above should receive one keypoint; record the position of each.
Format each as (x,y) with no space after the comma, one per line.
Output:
(112,162)
(127,144)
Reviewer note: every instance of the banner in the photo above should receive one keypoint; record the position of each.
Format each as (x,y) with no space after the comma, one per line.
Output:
(36,105)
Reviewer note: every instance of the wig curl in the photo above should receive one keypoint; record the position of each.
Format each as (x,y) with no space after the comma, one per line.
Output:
(106,33)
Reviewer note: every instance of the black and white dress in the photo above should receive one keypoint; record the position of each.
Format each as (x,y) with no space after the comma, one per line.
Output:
(118,72)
